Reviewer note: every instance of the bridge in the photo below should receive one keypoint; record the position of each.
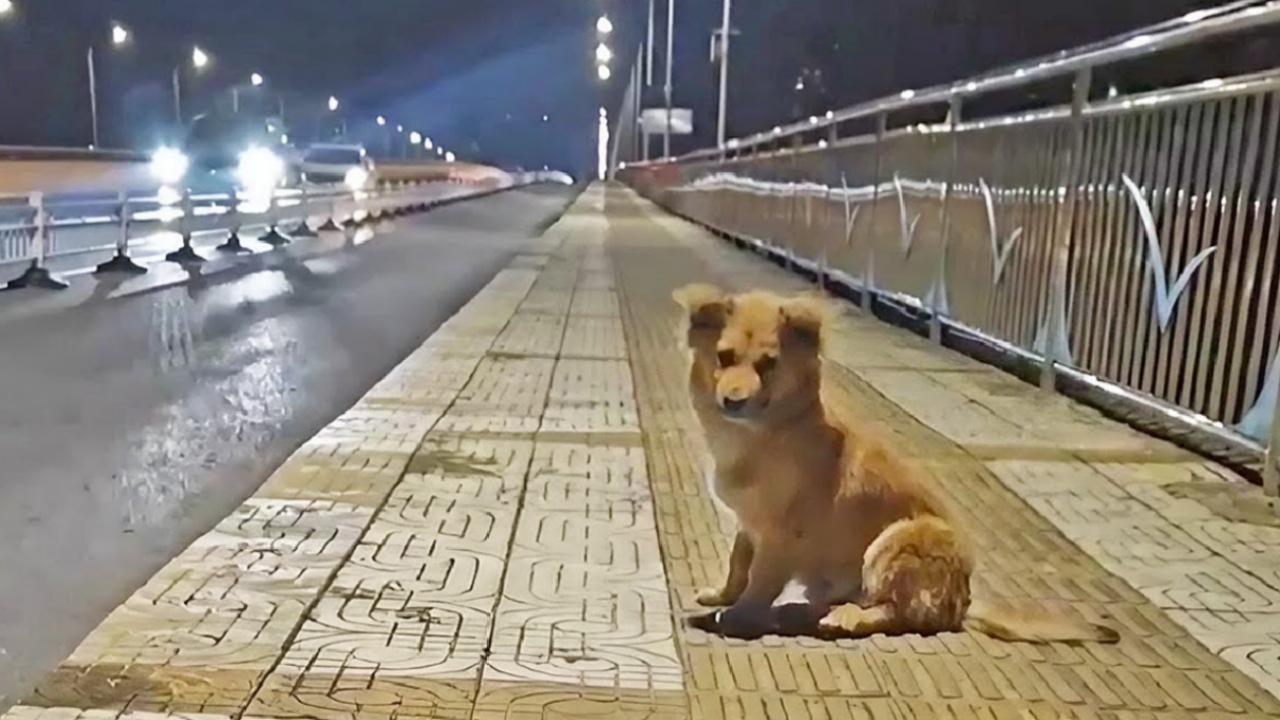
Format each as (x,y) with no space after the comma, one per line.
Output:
(426,451)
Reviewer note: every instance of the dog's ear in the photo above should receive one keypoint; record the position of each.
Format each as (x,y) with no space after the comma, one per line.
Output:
(802,319)
(708,306)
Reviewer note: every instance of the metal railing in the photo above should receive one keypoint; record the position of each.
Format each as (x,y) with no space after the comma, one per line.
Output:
(1132,239)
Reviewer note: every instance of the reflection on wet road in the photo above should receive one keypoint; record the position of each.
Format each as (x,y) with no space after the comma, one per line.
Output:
(129,427)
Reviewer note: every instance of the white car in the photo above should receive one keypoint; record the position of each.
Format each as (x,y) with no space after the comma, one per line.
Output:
(328,163)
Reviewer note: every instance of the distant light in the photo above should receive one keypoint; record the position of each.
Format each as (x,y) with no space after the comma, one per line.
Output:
(604,72)
(284,138)
(399,128)
(426,143)
(813,119)
(907,94)
(439,150)
(545,118)
(256,79)
(415,137)
(382,120)
(604,113)
(822,143)
(199,58)
(333,103)
(603,53)
(6,7)
(1113,91)
(449,156)
(604,25)
(119,33)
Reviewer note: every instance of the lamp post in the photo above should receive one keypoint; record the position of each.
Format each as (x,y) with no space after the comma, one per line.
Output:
(724,72)
(255,80)
(199,60)
(666,89)
(119,37)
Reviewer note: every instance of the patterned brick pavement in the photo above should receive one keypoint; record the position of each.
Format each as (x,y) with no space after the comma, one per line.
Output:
(510,524)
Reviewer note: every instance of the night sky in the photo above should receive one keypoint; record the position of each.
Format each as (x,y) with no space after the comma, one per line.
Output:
(478,75)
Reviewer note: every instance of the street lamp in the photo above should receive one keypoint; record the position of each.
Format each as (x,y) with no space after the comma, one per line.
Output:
(415,137)
(200,60)
(426,143)
(256,80)
(449,156)
(382,120)
(603,53)
(119,37)
(333,104)
(603,72)
(604,26)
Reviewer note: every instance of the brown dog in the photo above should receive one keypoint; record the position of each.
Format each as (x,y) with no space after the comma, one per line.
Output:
(820,504)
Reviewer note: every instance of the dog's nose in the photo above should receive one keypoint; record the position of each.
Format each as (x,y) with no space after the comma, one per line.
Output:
(734,405)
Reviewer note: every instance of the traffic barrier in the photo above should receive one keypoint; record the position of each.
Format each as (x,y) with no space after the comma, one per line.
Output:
(31,226)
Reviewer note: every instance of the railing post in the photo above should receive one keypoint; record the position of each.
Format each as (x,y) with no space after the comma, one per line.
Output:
(37,275)
(1055,321)
(122,262)
(273,236)
(233,243)
(304,229)
(877,154)
(1271,460)
(185,254)
(331,224)
(938,294)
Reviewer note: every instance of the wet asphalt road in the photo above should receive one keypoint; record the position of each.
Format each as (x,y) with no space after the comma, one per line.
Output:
(131,427)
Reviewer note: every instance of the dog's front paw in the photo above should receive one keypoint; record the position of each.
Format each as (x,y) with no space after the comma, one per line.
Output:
(713,597)
(745,622)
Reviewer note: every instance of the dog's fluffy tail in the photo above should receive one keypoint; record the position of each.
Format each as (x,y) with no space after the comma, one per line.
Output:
(1013,624)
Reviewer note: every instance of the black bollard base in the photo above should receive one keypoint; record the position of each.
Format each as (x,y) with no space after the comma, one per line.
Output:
(233,245)
(329,225)
(274,238)
(121,263)
(185,255)
(304,230)
(37,278)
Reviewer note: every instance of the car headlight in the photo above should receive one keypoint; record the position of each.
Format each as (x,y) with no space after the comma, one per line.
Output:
(169,165)
(260,168)
(357,178)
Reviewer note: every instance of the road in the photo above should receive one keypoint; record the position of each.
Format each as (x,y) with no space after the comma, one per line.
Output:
(130,427)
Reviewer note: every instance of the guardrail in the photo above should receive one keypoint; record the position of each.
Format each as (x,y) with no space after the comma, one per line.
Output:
(101,229)
(22,152)
(1129,243)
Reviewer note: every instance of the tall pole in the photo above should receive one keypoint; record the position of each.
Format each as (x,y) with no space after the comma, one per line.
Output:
(93,94)
(724,71)
(666,130)
(648,63)
(235,99)
(177,94)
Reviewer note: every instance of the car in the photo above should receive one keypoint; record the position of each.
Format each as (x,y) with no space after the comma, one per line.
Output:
(219,152)
(330,163)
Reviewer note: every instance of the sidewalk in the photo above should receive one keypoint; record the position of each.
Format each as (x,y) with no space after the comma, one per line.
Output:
(510,524)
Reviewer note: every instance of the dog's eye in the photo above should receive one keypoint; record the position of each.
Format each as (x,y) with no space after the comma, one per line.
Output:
(727,358)
(765,365)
